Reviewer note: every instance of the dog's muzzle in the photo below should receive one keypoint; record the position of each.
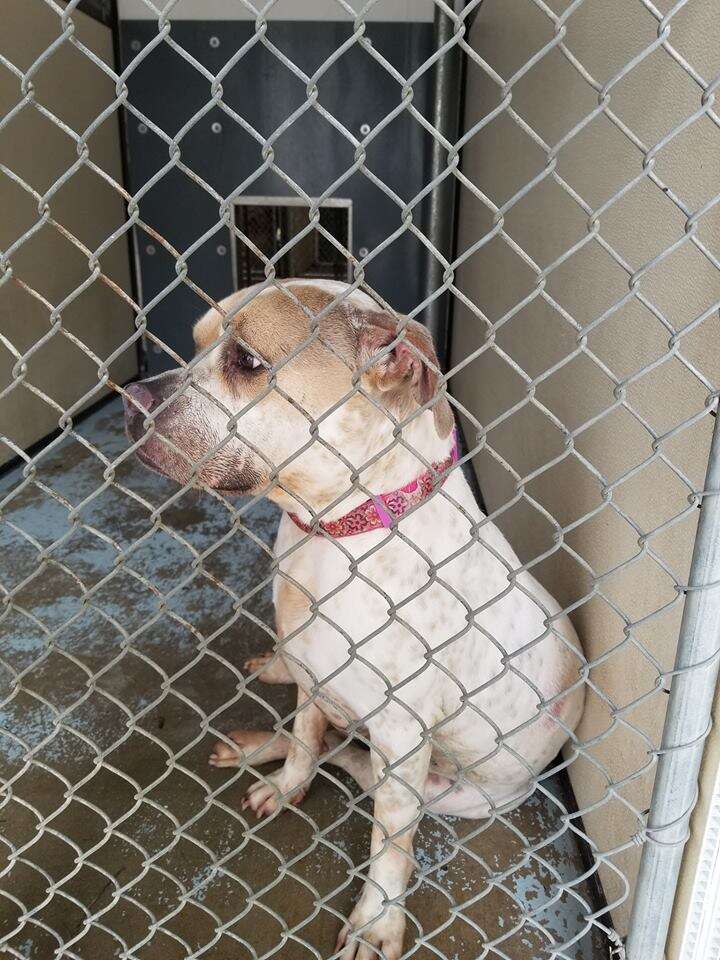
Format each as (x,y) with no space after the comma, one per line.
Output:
(138,401)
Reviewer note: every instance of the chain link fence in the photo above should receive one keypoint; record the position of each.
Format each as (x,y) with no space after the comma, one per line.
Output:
(132,603)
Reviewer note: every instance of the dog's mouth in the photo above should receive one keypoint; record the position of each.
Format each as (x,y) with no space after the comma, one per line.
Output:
(147,459)
(228,491)
(153,455)
(142,454)
(245,483)
(150,450)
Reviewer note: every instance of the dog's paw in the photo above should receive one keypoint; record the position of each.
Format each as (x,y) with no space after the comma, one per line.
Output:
(245,742)
(266,796)
(269,668)
(372,931)
(257,663)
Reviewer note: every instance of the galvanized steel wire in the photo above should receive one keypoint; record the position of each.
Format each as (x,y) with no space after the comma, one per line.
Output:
(409,221)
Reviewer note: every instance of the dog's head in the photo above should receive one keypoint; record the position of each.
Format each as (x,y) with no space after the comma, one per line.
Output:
(271,395)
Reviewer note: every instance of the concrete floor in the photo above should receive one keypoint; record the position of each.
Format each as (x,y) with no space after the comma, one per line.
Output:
(125,663)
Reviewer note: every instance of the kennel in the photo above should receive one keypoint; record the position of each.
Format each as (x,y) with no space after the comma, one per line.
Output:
(536,181)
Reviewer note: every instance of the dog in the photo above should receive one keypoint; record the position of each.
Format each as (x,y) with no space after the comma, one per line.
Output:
(402,614)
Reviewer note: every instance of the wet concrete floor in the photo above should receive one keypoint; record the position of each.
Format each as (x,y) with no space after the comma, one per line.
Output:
(120,653)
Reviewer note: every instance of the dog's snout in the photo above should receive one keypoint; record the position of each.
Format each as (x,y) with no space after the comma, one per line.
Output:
(137,400)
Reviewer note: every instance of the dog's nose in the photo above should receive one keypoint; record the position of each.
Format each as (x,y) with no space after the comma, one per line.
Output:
(137,400)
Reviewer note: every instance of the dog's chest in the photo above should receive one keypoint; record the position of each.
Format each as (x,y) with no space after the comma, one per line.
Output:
(351,631)
(356,626)
(426,624)
(418,619)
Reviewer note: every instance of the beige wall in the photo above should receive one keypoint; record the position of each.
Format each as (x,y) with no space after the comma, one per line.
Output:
(75,90)
(654,97)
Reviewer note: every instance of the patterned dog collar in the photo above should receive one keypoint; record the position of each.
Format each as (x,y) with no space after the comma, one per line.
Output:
(386,508)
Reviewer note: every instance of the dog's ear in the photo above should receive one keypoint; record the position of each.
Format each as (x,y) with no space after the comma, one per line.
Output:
(410,368)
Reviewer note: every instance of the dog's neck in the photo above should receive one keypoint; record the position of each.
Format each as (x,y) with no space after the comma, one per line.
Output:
(328,489)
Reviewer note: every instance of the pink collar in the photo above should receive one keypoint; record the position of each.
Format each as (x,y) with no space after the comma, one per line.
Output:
(384,509)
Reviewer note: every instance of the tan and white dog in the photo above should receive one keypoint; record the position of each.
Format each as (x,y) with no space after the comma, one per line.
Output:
(462,676)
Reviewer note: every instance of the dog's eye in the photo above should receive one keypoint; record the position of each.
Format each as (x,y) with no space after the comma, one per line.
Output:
(248,360)
(244,360)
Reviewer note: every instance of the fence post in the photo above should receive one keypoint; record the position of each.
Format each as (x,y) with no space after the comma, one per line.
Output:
(686,726)
(440,228)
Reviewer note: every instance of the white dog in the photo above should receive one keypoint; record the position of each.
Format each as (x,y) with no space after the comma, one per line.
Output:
(400,616)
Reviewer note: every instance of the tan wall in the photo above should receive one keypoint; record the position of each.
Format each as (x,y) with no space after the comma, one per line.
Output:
(75,90)
(597,162)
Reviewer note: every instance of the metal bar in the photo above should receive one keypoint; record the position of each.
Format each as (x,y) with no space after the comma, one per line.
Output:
(132,237)
(441,208)
(686,726)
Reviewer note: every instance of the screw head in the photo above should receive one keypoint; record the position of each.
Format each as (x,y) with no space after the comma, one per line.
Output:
(214,42)
(363,252)
(150,249)
(135,45)
(156,348)
(221,249)
(365,129)
(142,128)
(216,127)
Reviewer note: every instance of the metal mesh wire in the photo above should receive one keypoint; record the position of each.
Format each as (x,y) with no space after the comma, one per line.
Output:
(150,866)
(273,227)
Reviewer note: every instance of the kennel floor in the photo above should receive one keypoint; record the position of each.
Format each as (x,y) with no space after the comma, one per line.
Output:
(118,838)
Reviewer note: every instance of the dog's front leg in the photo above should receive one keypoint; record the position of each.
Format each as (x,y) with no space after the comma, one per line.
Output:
(290,783)
(378,921)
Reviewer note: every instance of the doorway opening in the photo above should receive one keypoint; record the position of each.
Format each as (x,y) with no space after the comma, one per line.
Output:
(270,223)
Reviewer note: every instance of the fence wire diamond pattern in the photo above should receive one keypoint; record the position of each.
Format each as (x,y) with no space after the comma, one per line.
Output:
(149,858)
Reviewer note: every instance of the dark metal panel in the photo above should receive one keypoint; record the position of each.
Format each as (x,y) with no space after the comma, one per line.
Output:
(442,215)
(101,10)
(355,89)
